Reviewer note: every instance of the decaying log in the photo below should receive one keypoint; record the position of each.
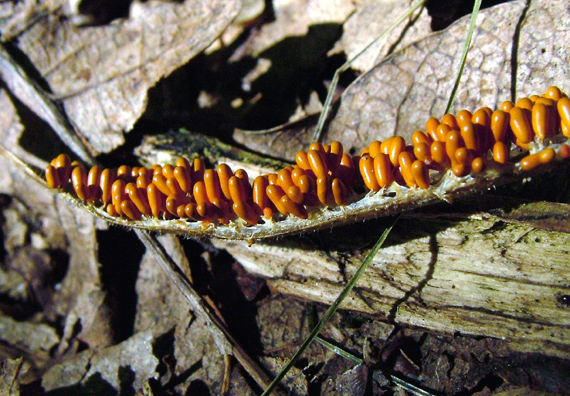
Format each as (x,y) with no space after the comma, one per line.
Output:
(475,274)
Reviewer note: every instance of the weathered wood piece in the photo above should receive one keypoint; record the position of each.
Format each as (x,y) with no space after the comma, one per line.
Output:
(478,275)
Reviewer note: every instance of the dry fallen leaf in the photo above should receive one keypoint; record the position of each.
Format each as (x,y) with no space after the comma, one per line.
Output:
(282,142)
(11,130)
(60,268)
(190,362)
(294,18)
(373,17)
(102,74)
(401,93)
(122,367)
(42,339)
(11,373)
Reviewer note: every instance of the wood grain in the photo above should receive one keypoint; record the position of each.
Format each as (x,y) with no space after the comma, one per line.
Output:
(478,275)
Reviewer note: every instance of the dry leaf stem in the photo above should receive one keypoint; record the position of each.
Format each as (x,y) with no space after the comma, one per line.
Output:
(225,342)
(39,102)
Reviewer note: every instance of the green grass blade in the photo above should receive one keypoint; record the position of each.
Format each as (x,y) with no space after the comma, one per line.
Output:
(474,14)
(333,308)
(328,101)
(338,350)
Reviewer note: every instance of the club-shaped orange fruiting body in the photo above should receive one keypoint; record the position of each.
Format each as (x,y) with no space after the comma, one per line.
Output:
(467,147)
(367,172)
(520,124)
(52,177)
(78,180)
(405,160)
(541,158)
(183,176)
(438,154)
(450,120)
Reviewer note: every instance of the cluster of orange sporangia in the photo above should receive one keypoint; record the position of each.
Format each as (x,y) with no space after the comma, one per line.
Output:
(325,175)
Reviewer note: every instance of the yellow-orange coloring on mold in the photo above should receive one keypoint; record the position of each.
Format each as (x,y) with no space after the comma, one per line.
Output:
(534,160)
(326,175)
(367,172)
(520,124)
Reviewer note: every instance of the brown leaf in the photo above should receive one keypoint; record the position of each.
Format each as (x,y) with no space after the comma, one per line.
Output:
(11,129)
(282,142)
(157,307)
(92,315)
(127,364)
(36,339)
(292,48)
(102,73)
(83,273)
(399,95)
(11,373)
(294,18)
(50,221)
(373,17)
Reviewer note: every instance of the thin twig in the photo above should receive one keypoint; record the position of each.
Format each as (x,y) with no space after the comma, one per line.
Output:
(225,342)
(33,96)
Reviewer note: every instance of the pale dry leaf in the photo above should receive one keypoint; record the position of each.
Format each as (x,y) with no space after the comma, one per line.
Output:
(38,101)
(250,13)
(92,315)
(162,311)
(102,73)
(282,142)
(294,18)
(285,51)
(289,53)
(36,339)
(11,129)
(11,373)
(250,9)
(107,368)
(158,300)
(37,201)
(68,229)
(399,95)
(27,266)
(83,273)
(16,231)
(194,348)
(80,297)
(275,141)
(17,16)
(370,20)
(13,285)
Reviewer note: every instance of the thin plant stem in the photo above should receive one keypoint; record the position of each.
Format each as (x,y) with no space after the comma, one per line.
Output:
(338,350)
(328,101)
(474,14)
(332,309)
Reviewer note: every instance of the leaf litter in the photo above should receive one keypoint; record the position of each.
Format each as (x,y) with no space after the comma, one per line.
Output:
(82,310)
(101,74)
